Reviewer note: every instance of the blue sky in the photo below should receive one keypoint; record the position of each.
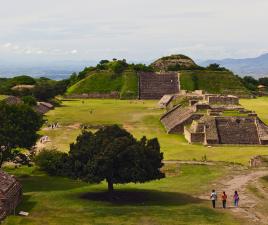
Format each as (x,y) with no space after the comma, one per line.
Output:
(138,30)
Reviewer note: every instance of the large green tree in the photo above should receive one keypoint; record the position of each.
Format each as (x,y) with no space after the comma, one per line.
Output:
(114,155)
(18,127)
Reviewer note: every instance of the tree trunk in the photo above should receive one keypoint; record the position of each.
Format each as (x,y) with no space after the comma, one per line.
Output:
(1,159)
(110,186)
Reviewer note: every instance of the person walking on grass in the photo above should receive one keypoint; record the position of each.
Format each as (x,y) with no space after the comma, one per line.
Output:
(236,199)
(224,199)
(213,197)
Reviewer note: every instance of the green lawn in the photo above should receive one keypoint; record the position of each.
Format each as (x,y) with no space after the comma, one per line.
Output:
(170,201)
(2,97)
(106,81)
(142,118)
(212,82)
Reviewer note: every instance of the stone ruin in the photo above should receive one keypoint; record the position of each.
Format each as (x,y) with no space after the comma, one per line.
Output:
(215,119)
(164,101)
(234,130)
(13,100)
(10,194)
(155,85)
(43,107)
(258,161)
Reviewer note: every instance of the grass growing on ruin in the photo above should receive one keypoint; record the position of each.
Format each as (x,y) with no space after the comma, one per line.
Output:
(106,81)
(142,118)
(56,201)
(212,82)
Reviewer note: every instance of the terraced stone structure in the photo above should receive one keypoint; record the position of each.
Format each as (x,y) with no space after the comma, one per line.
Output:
(10,194)
(215,119)
(227,130)
(155,85)
(175,119)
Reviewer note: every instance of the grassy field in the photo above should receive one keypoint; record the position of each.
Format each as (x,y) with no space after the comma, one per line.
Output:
(106,81)
(142,118)
(2,97)
(212,82)
(170,201)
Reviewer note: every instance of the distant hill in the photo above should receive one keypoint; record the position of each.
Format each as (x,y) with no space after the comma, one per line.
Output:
(256,67)
(54,70)
(173,63)
(218,82)
(117,76)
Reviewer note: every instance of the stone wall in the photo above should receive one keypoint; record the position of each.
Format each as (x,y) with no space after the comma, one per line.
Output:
(112,95)
(175,118)
(154,86)
(237,130)
(10,194)
(165,100)
(259,161)
(223,100)
(194,137)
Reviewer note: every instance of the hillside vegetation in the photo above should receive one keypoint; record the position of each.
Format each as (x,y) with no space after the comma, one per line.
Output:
(7,83)
(107,81)
(222,82)
(174,63)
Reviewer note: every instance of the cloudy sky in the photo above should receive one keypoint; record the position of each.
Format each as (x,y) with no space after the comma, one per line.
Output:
(138,30)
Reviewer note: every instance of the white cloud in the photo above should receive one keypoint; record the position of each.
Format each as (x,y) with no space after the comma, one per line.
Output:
(74,51)
(7,45)
(143,29)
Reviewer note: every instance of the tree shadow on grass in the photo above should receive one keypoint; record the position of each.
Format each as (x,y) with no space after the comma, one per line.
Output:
(142,197)
(26,205)
(45,183)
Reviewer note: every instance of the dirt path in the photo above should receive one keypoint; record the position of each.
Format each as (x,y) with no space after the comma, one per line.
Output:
(248,204)
(188,162)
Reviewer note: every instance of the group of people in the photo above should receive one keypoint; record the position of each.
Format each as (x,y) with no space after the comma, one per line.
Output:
(213,197)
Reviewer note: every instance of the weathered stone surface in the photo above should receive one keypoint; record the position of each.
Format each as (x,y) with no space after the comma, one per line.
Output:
(10,194)
(164,101)
(43,107)
(228,130)
(237,130)
(111,95)
(175,119)
(154,85)
(13,100)
(258,161)
(223,100)
(210,126)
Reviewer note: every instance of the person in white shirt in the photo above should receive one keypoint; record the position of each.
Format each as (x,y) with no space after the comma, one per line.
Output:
(213,197)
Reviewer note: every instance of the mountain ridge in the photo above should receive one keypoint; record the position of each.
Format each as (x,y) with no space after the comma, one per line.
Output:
(256,67)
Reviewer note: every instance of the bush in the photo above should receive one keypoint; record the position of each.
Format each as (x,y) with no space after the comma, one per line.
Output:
(29,100)
(52,162)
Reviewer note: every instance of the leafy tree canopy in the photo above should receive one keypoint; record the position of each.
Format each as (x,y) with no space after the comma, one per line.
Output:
(19,124)
(111,154)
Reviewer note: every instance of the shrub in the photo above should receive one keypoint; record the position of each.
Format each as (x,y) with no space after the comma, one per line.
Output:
(52,161)
(29,100)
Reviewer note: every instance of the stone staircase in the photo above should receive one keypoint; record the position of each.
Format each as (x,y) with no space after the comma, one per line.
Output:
(175,119)
(154,86)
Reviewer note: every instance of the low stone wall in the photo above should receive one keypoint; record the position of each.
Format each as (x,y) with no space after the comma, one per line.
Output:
(224,100)
(10,194)
(193,137)
(112,95)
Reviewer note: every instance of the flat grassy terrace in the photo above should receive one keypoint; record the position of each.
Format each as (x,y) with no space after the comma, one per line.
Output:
(142,118)
(170,201)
